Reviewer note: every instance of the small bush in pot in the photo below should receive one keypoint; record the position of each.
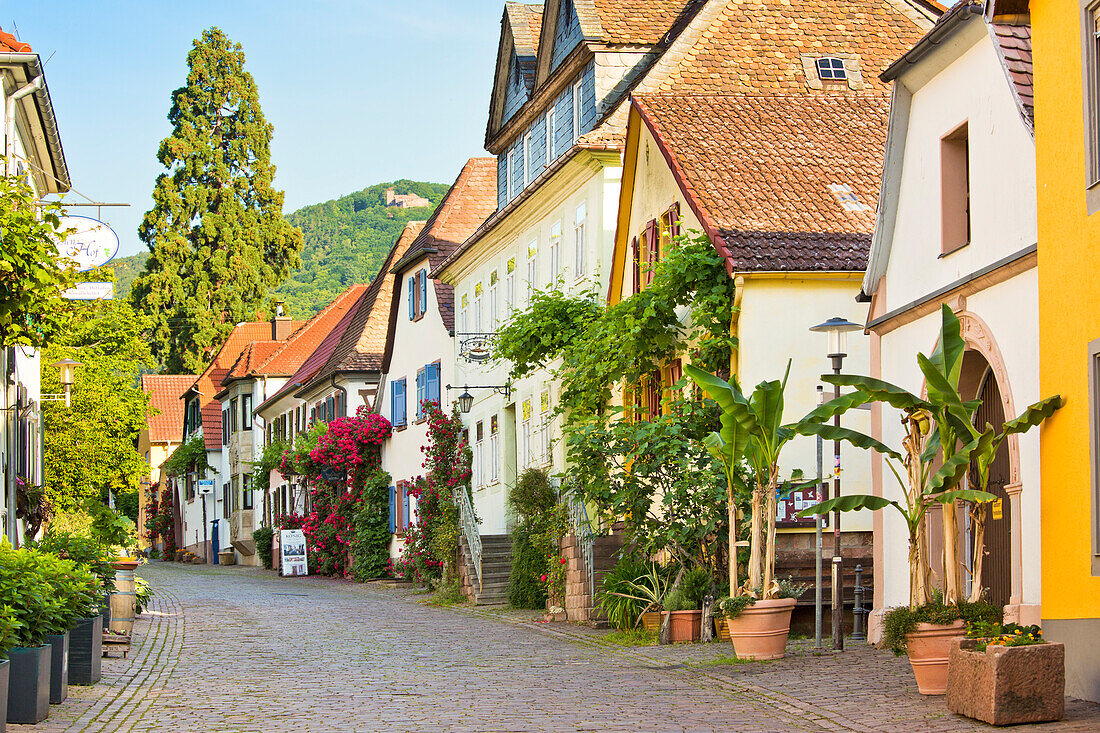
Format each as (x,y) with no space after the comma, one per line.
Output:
(262,537)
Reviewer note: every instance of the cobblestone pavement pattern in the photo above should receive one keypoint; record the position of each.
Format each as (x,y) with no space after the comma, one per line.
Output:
(235,650)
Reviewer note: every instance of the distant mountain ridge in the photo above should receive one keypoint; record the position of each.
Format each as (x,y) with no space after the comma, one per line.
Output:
(346,240)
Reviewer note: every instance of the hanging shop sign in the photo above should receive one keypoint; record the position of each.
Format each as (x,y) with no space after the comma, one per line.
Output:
(90,244)
(91,291)
(292,552)
(206,486)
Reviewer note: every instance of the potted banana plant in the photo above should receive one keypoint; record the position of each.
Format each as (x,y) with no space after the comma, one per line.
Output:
(937,428)
(752,429)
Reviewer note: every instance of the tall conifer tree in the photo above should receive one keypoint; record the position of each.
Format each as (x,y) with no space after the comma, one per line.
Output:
(216,232)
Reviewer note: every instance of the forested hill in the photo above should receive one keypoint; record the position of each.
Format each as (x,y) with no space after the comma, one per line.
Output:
(346,240)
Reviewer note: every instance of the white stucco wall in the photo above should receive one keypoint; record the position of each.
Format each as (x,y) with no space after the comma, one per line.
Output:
(972,88)
(1002,177)
(416,343)
(776,315)
(555,202)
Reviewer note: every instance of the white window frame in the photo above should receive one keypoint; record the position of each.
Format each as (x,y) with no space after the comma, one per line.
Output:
(463,310)
(580,240)
(527,159)
(494,449)
(479,458)
(511,169)
(491,296)
(478,323)
(576,110)
(510,286)
(550,115)
(525,433)
(555,251)
(544,418)
(532,268)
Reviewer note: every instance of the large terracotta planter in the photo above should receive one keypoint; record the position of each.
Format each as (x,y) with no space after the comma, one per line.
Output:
(929,648)
(761,630)
(1007,685)
(29,684)
(686,626)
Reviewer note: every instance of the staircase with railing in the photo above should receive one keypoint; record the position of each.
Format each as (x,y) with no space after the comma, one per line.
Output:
(467,521)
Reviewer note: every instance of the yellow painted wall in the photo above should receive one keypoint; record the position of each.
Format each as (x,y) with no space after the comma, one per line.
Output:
(1069,310)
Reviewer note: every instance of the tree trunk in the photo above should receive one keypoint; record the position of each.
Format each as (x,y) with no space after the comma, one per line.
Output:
(769,551)
(977,524)
(951,577)
(707,632)
(756,545)
(732,504)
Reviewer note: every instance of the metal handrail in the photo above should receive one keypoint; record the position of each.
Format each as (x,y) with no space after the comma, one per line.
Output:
(468,521)
(586,539)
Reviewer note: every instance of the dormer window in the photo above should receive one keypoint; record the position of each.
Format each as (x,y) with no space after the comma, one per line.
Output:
(831,68)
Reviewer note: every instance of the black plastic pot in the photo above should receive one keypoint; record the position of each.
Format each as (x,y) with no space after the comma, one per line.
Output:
(29,684)
(59,667)
(86,651)
(5,666)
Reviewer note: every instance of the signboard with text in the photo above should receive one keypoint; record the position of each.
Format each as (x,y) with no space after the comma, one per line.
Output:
(90,244)
(292,552)
(206,486)
(90,291)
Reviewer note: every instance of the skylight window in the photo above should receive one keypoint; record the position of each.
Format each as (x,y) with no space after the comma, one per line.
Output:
(847,197)
(831,68)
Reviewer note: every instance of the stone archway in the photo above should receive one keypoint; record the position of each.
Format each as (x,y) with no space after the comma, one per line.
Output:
(981,343)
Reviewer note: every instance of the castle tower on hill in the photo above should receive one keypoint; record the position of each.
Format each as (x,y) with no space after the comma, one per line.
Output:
(405,200)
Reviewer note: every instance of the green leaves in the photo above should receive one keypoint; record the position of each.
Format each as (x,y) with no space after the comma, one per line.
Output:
(859,440)
(849,503)
(1034,415)
(879,391)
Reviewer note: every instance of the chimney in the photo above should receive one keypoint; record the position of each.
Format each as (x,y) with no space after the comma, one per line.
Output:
(280,323)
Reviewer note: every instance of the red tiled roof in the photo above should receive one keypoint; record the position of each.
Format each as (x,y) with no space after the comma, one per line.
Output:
(209,382)
(643,22)
(758,170)
(320,356)
(526,22)
(164,396)
(11,44)
(1015,45)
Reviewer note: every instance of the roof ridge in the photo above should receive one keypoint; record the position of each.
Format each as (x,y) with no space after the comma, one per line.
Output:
(309,324)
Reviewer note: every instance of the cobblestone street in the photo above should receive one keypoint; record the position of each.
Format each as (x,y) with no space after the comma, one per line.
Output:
(236,649)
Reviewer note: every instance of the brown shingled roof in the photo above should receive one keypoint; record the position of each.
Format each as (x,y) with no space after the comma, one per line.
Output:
(642,22)
(164,392)
(758,170)
(363,342)
(471,199)
(526,22)
(1015,45)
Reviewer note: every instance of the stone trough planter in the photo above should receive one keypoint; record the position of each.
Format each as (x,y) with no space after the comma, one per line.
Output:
(1007,685)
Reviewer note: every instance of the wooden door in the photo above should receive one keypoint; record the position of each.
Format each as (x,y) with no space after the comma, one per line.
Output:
(997,566)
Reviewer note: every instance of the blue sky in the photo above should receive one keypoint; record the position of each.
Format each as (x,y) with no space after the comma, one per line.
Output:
(358,92)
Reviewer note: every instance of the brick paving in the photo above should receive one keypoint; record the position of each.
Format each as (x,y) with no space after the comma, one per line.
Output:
(236,650)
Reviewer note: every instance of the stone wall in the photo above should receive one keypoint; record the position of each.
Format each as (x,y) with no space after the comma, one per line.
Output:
(579,604)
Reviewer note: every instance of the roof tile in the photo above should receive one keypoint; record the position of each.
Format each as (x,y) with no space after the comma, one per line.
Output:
(164,396)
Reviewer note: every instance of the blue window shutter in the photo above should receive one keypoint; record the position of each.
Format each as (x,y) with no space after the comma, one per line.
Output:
(433,383)
(405,507)
(397,399)
(423,292)
(393,509)
(412,298)
(401,402)
(419,393)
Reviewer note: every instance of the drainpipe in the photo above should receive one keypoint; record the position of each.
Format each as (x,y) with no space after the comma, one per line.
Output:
(344,391)
(9,119)
(735,322)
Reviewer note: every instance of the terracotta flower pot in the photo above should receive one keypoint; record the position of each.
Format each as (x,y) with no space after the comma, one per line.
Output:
(1006,685)
(929,649)
(686,626)
(761,630)
(651,621)
(125,563)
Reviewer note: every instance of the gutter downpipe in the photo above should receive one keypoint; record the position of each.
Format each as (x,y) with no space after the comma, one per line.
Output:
(344,391)
(9,119)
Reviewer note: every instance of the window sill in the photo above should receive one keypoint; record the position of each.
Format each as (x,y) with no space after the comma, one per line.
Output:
(1092,199)
(399,428)
(953,250)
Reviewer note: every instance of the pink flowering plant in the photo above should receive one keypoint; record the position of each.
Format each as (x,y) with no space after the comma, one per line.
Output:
(430,553)
(346,527)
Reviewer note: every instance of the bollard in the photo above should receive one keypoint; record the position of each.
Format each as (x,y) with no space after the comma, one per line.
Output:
(858,611)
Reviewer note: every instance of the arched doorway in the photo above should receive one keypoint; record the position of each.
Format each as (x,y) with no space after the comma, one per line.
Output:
(980,381)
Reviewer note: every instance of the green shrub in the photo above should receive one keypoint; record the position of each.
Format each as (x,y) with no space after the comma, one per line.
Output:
(532,494)
(526,588)
(262,537)
(733,607)
(83,550)
(46,594)
(694,585)
(143,593)
(9,625)
(448,595)
(615,597)
(111,529)
(897,622)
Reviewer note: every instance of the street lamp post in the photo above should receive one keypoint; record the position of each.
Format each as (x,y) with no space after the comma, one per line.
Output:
(837,330)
